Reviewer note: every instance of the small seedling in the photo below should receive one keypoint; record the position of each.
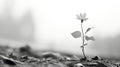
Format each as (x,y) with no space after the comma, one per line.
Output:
(82,33)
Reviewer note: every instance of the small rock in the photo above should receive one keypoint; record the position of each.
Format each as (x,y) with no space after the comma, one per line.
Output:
(96,58)
(24,58)
(100,64)
(50,55)
(79,65)
(13,56)
(83,59)
(9,62)
(70,64)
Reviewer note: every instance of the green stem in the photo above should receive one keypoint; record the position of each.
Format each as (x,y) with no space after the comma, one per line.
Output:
(83,40)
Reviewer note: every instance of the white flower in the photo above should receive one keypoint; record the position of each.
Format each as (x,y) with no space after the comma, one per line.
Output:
(82,17)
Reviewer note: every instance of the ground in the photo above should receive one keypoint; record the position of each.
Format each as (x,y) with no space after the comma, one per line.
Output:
(26,57)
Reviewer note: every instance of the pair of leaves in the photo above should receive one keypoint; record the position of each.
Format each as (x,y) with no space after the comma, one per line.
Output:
(77,34)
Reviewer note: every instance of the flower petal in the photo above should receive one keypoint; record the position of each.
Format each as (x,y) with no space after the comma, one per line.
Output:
(81,16)
(78,17)
(85,19)
(84,15)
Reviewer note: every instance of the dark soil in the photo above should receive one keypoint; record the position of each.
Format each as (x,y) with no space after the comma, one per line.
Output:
(26,57)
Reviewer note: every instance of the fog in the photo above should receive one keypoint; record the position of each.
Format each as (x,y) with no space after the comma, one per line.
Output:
(48,24)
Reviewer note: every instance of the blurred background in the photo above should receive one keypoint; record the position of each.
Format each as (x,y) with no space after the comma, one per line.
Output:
(48,24)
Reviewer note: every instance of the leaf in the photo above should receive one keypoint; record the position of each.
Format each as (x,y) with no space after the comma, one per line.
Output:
(89,38)
(88,29)
(76,34)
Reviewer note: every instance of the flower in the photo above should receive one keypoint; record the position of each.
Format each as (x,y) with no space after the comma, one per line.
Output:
(82,17)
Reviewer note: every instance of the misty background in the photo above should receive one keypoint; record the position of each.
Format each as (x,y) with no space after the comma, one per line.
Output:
(48,24)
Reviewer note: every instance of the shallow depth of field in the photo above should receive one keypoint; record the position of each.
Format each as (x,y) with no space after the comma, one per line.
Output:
(26,57)
(59,33)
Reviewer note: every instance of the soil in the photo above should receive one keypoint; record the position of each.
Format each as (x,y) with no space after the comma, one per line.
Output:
(26,57)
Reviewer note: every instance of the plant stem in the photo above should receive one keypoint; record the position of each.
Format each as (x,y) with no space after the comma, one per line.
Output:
(83,40)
